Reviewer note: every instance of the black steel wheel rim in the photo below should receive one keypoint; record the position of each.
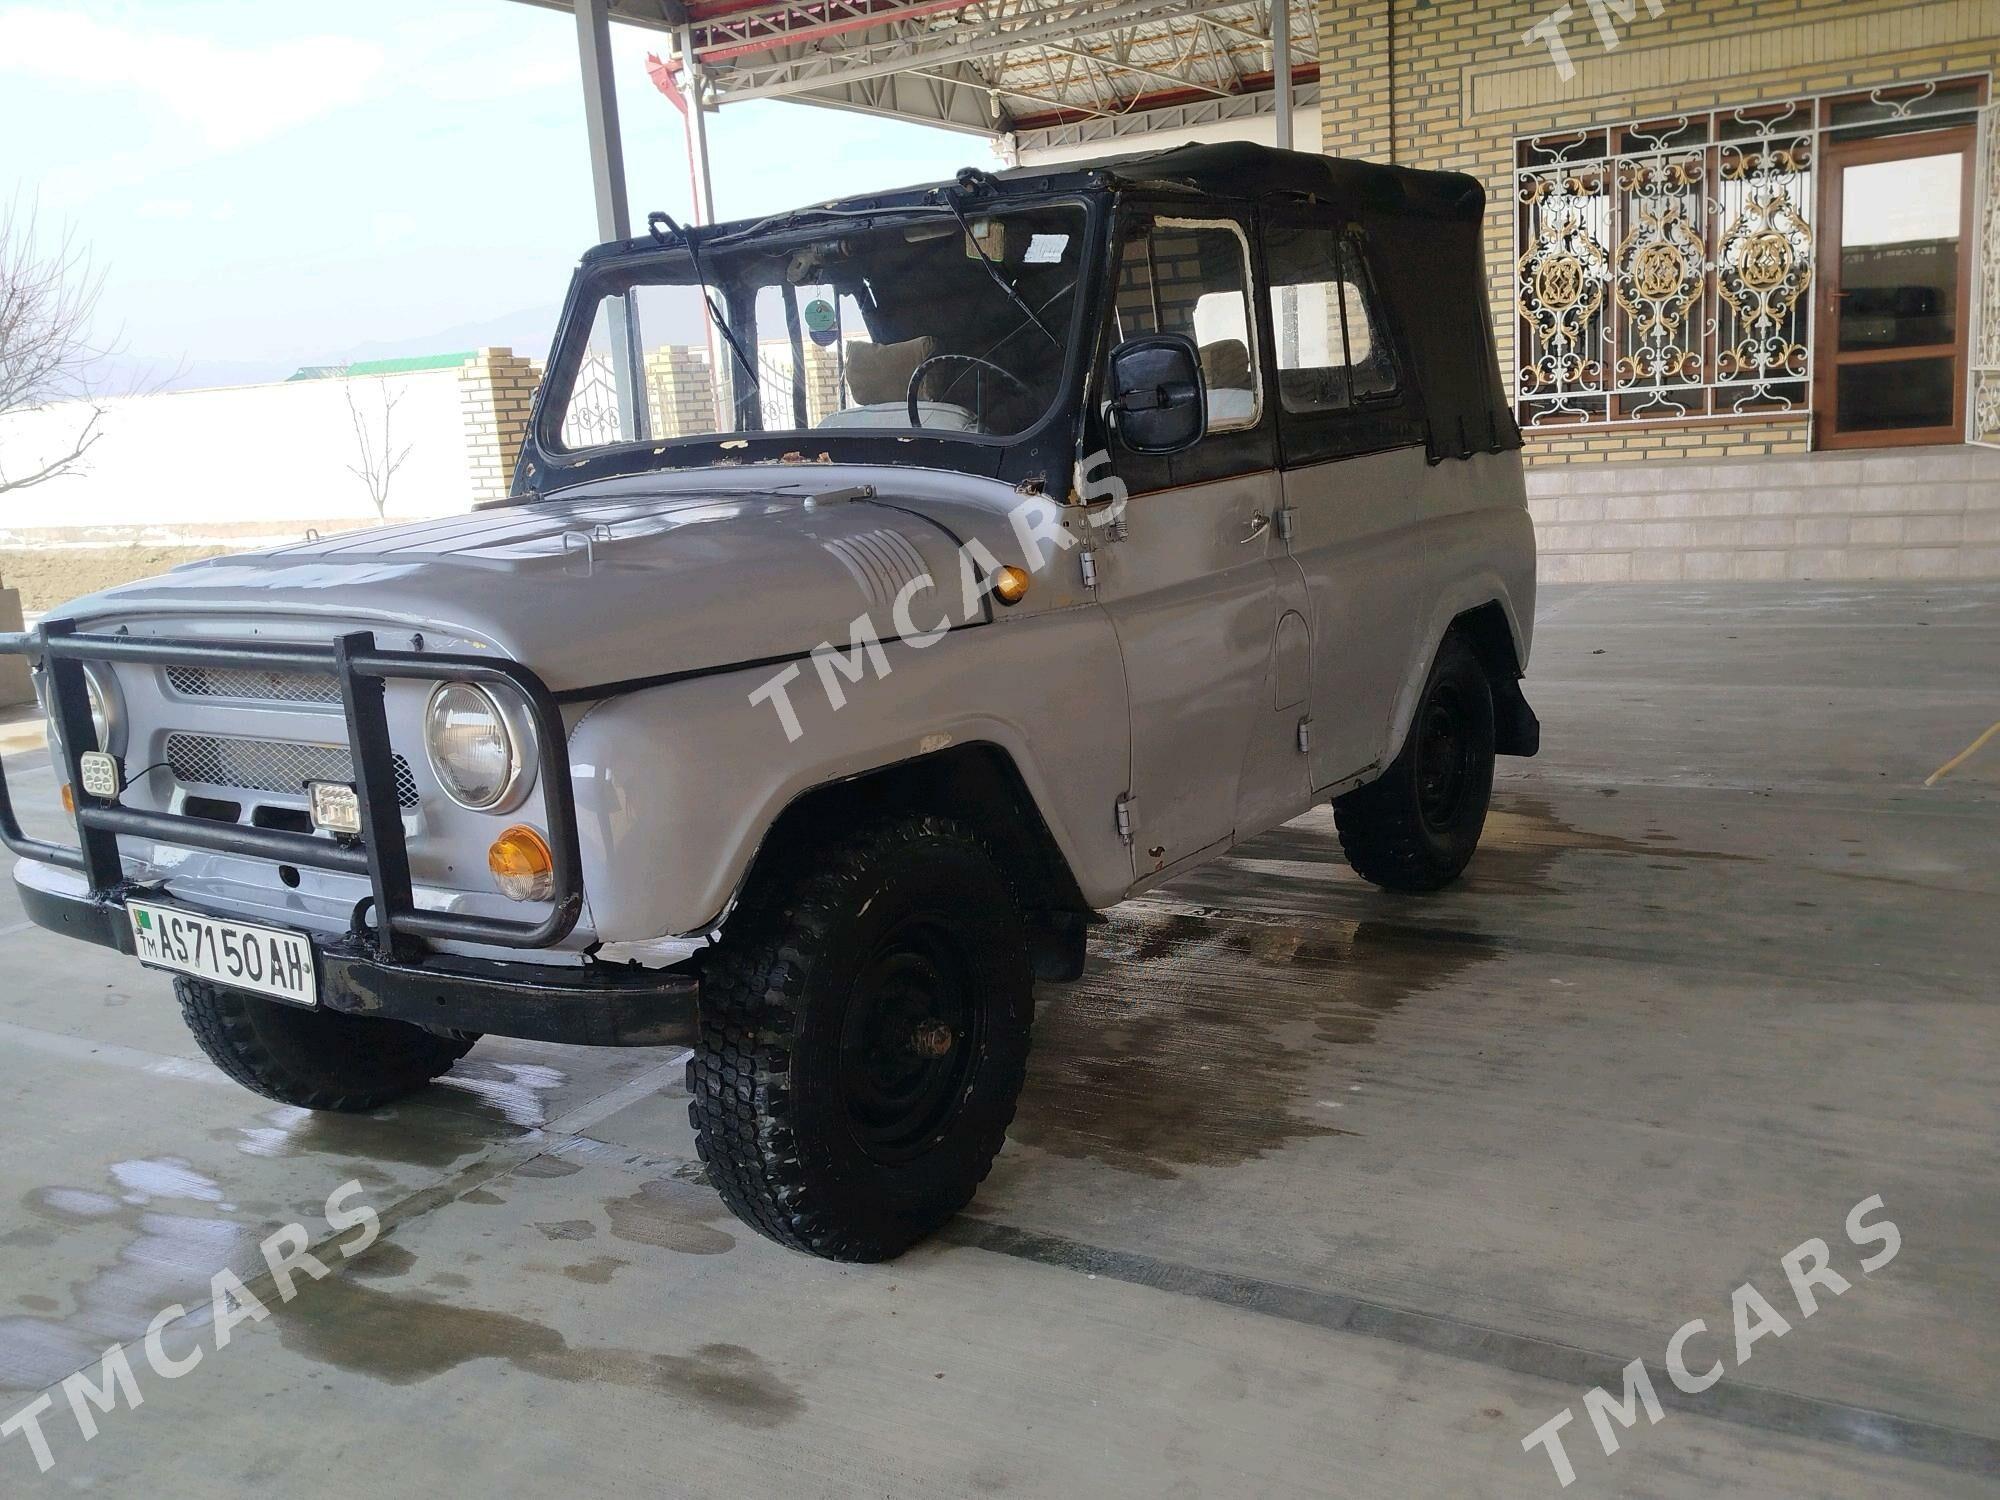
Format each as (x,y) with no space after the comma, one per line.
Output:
(908,1041)
(1445,756)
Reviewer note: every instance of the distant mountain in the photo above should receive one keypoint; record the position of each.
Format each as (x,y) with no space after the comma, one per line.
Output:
(528,330)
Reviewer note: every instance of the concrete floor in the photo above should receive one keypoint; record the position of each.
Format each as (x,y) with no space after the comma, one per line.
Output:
(1314,1190)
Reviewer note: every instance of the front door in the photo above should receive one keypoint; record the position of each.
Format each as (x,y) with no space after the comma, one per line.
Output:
(1895,289)
(1191,579)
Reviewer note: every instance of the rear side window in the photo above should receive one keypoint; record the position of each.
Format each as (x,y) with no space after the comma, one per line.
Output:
(1332,352)
(1193,277)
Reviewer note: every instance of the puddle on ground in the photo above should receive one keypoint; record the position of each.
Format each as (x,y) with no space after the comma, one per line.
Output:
(166,1177)
(596,1272)
(70,1205)
(1208,1012)
(1194,1039)
(547,1166)
(1299,867)
(569,1229)
(1523,840)
(382,1261)
(404,1339)
(515,1091)
(410,1135)
(671,1215)
(167,1259)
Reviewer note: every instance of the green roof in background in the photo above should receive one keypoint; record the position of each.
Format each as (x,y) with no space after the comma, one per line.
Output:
(406,366)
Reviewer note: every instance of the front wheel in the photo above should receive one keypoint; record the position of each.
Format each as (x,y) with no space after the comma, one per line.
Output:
(317,1059)
(864,1037)
(1415,826)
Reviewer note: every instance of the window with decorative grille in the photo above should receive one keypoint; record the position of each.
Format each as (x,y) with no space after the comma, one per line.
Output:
(1666,270)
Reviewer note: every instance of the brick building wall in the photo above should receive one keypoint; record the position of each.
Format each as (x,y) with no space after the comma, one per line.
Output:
(496,389)
(1451,83)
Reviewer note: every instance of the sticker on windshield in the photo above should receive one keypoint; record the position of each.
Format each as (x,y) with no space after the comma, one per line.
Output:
(1046,249)
(822,321)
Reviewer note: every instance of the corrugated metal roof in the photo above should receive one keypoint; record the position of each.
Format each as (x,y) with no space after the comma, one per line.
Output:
(988,66)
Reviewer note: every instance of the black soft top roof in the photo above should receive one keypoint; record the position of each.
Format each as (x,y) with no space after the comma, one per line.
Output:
(1240,169)
(1424,229)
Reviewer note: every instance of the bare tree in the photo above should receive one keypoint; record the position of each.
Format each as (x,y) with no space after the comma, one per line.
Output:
(48,297)
(379,459)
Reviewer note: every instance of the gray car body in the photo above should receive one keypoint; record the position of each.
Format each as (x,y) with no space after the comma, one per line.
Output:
(663,588)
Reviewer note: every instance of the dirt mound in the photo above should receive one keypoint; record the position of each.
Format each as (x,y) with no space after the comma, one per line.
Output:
(48,576)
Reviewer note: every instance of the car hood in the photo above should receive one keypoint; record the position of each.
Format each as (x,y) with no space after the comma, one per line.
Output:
(586,590)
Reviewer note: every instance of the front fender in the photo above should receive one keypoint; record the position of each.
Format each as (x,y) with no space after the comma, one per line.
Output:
(677,786)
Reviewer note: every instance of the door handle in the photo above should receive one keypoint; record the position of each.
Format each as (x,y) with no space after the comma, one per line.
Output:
(1255,527)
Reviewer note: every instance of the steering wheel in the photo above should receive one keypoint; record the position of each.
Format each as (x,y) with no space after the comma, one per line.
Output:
(917,378)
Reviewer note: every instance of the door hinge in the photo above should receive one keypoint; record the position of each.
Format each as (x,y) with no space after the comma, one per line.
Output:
(1125,812)
(1087,560)
(1284,515)
(1305,735)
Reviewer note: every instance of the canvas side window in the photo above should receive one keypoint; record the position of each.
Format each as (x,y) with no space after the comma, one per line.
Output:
(1330,347)
(1184,276)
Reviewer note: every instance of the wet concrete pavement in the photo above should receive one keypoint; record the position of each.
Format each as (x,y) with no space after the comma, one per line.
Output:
(1313,1190)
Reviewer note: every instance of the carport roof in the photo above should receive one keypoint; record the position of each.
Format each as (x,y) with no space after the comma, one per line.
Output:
(1088,69)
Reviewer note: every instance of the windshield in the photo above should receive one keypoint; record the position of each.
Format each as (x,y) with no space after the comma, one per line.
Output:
(890,324)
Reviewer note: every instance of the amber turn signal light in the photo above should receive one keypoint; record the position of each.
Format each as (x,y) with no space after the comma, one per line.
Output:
(69,799)
(522,866)
(1010,585)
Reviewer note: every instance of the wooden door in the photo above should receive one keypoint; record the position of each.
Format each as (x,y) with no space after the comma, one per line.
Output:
(1895,290)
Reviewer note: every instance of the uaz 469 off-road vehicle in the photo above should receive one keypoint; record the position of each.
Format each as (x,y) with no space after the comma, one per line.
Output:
(1041,536)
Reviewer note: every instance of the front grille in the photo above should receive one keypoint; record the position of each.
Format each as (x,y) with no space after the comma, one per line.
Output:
(254,685)
(270,765)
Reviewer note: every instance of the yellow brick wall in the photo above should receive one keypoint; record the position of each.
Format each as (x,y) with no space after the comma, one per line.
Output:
(1450,83)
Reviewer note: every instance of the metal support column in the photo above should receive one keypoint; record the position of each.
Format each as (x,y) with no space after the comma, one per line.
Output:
(1281,70)
(614,218)
(722,369)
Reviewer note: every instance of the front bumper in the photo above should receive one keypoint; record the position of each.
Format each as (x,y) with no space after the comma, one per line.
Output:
(588,1005)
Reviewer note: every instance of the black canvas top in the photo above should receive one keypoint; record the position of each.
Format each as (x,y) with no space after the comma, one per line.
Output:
(1239,169)
(1424,230)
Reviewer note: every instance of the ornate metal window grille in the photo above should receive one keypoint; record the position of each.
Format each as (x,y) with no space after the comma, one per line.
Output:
(1983,410)
(593,416)
(1664,268)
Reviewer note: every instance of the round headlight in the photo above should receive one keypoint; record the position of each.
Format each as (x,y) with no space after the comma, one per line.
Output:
(100,706)
(471,746)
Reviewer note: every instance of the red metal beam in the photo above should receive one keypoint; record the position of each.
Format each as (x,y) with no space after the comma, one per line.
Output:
(1253,83)
(724,51)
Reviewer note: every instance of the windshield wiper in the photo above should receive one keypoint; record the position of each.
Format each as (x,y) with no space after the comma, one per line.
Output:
(653,222)
(993,271)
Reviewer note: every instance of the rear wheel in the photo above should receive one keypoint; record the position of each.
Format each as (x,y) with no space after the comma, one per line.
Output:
(317,1059)
(1415,827)
(864,1036)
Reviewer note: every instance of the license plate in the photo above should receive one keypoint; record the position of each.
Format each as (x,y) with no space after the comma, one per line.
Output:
(263,960)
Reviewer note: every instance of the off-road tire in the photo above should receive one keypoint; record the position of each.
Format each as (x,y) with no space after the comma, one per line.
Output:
(791,996)
(1415,827)
(316,1059)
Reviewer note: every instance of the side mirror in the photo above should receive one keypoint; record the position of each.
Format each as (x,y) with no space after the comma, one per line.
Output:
(1159,403)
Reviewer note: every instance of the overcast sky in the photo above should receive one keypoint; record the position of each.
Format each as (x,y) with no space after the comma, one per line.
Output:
(272,184)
